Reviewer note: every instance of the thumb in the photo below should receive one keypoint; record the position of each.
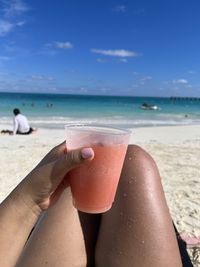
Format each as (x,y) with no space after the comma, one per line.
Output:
(74,158)
(58,169)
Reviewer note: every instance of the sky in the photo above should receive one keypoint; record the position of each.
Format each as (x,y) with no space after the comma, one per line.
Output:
(101,47)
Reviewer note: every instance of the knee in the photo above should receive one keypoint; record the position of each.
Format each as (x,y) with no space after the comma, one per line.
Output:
(140,164)
(138,156)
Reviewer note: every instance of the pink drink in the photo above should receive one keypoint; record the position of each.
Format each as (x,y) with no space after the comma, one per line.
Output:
(94,184)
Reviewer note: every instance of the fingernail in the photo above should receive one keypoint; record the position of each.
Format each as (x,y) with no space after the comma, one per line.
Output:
(86,153)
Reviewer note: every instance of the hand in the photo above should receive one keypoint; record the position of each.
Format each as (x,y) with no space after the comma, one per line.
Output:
(44,184)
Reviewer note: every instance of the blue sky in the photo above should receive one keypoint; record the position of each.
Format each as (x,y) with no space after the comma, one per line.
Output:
(133,47)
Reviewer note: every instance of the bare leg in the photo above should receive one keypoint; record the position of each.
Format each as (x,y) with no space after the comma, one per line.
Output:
(59,240)
(138,231)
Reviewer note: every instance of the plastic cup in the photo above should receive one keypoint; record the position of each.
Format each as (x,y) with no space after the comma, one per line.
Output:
(94,184)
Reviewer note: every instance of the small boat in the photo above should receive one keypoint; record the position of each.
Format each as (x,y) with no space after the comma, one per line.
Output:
(149,107)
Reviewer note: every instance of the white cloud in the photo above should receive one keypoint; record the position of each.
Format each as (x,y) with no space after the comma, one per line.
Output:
(115,53)
(6,27)
(9,12)
(21,23)
(146,78)
(41,78)
(60,45)
(120,8)
(180,81)
(64,45)
(14,7)
(124,60)
(52,48)
(83,90)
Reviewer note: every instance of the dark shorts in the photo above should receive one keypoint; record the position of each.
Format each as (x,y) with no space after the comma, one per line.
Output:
(29,132)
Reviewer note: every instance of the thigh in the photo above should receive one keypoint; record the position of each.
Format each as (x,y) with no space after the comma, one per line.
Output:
(58,240)
(138,231)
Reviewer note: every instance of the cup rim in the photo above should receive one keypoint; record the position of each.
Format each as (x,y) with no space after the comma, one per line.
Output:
(77,126)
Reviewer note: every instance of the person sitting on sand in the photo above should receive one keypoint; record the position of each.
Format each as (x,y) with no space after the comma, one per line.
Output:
(40,226)
(20,124)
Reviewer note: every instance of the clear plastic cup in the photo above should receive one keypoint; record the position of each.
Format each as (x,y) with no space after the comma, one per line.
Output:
(94,184)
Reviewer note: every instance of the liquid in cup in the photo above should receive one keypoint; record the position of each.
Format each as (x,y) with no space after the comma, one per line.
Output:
(94,184)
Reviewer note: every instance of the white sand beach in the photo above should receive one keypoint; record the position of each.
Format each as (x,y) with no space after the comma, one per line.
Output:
(176,150)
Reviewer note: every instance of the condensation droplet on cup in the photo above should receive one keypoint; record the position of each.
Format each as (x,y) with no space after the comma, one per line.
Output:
(125,194)
(130,158)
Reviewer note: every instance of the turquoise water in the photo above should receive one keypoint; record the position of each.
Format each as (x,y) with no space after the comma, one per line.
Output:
(48,110)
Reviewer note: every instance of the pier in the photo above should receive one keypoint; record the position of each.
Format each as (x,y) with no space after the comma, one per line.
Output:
(189,99)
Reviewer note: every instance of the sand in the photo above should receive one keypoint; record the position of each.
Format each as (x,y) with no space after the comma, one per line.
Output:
(176,150)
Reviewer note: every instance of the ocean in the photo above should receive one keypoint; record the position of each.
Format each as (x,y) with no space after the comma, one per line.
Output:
(56,110)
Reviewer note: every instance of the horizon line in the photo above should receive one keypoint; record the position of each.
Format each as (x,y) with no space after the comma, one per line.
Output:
(100,95)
